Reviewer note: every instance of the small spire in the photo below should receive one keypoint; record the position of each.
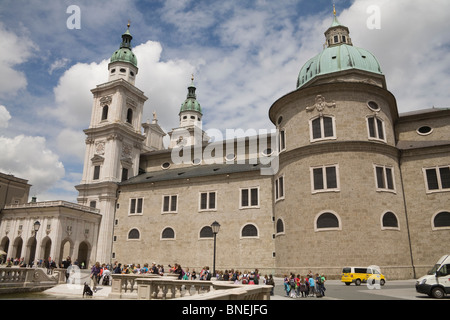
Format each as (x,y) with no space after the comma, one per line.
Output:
(334,9)
(128,25)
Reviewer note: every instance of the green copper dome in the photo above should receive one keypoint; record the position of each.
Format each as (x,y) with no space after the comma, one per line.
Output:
(339,55)
(191,103)
(124,54)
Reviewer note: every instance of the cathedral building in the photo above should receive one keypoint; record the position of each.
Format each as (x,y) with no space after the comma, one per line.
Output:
(344,179)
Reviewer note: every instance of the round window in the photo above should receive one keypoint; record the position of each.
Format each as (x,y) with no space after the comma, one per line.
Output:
(165,165)
(373,106)
(424,130)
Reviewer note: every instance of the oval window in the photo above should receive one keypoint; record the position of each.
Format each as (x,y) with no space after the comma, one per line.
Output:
(424,130)
(373,106)
(165,165)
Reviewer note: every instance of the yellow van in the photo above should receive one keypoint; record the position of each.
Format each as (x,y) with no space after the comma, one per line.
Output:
(357,275)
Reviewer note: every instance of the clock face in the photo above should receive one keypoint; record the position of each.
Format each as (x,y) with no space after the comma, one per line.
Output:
(100,147)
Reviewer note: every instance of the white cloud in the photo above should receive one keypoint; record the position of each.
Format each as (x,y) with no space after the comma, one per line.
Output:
(164,82)
(17,49)
(4,117)
(411,45)
(70,145)
(58,64)
(29,158)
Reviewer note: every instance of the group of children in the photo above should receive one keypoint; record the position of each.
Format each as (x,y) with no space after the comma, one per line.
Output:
(310,285)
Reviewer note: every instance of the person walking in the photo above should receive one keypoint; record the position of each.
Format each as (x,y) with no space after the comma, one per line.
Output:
(95,272)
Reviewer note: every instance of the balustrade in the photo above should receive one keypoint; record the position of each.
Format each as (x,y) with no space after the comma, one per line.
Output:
(147,287)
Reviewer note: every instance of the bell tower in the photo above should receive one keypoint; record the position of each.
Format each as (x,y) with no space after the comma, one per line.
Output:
(113,142)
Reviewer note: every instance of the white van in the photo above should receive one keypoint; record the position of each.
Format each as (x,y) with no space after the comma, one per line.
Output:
(437,282)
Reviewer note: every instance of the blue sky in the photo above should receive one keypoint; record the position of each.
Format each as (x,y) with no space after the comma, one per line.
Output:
(244,54)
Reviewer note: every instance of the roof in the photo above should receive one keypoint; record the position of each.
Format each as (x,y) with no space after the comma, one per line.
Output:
(338,58)
(193,171)
(124,53)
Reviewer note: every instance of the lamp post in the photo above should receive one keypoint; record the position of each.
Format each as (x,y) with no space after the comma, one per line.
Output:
(36,227)
(215,226)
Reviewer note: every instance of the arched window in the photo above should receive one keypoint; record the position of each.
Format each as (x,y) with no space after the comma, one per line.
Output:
(249,231)
(375,126)
(105,113)
(327,220)
(322,127)
(134,234)
(442,219)
(389,220)
(130,116)
(206,232)
(168,233)
(280,226)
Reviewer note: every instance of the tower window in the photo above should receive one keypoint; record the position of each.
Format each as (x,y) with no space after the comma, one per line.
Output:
(96,173)
(327,220)
(130,116)
(322,128)
(206,232)
(336,39)
(134,234)
(123,70)
(105,113)
(389,220)
(325,178)
(376,128)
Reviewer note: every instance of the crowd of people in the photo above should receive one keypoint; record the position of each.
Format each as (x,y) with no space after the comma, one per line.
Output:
(310,285)
(295,285)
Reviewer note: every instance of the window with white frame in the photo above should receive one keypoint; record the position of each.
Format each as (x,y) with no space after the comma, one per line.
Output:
(136,205)
(281,140)
(279,188)
(437,179)
(170,204)
(208,200)
(375,127)
(384,178)
(325,178)
(249,198)
(322,128)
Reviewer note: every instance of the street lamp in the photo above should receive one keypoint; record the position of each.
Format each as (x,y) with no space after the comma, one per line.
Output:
(215,226)
(36,227)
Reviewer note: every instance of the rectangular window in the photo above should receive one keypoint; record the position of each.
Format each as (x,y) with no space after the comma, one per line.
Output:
(170,204)
(375,127)
(249,198)
(96,173)
(322,128)
(384,176)
(136,205)
(282,140)
(208,200)
(437,179)
(124,174)
(279,188)
(325,178)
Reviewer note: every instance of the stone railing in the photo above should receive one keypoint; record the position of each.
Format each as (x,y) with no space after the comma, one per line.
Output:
(57,203)
(27,279)
(148,287)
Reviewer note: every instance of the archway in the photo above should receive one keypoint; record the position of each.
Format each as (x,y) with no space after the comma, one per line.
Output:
(17,248)
(66,250)
(31,250)
(46,248)
(83,254)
